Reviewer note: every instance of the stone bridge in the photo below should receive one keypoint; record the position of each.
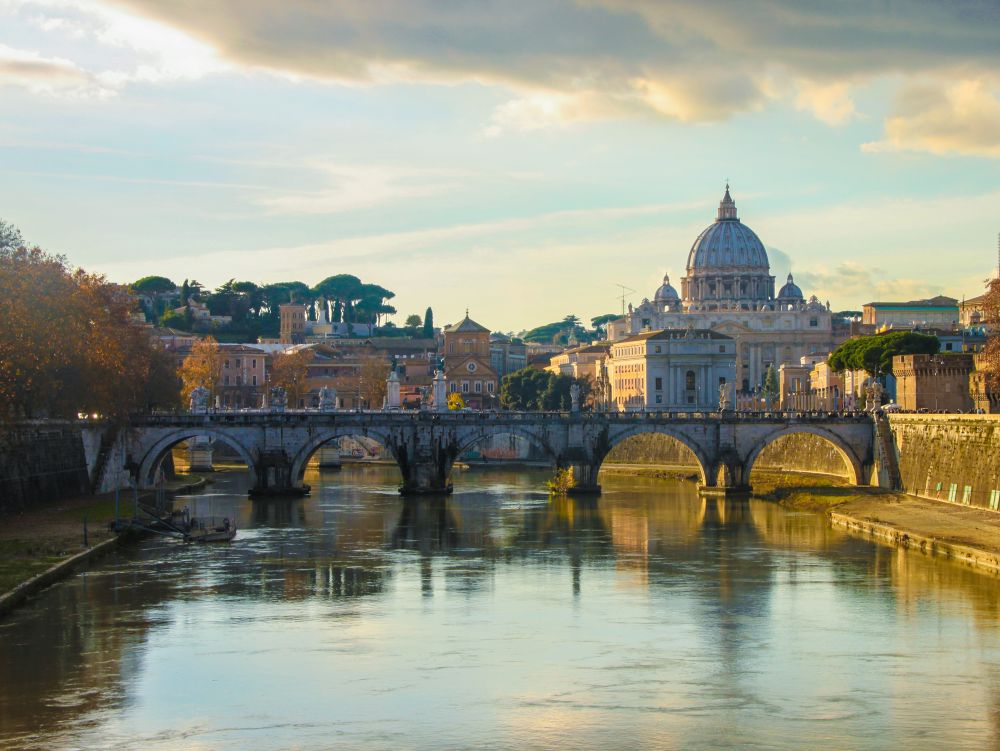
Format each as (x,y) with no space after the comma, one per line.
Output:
(276,446)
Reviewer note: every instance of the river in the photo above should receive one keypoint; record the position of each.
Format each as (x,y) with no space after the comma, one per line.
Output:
(500,619)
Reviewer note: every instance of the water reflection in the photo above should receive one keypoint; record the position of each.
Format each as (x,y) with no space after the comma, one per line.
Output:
(498,617)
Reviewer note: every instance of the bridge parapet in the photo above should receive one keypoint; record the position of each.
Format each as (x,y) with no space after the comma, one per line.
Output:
(426,444)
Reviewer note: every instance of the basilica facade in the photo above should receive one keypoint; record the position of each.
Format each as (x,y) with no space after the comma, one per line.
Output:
(728,289)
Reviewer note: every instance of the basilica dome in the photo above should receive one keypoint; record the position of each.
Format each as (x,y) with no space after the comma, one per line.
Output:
(790,292)
(727,244)
(666,292)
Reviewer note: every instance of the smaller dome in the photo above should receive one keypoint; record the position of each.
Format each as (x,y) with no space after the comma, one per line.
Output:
(790,291)
(666,292)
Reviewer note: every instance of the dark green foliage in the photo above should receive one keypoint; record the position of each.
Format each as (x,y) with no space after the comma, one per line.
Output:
(531,389)
(874,354)
(153,285)
(428,332)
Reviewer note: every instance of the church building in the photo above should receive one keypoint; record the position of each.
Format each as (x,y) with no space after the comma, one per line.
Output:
(729,289)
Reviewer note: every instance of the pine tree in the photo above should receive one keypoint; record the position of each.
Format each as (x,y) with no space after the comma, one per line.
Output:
(770,390)
(428,331)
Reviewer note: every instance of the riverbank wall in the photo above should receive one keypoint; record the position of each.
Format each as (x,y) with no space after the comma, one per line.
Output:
(954,458)
(47,460)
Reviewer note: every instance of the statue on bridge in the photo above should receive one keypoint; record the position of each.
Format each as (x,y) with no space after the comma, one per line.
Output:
(874,394)
(199,400)
(279,399)
(724,403)
(327,399)
(574,397)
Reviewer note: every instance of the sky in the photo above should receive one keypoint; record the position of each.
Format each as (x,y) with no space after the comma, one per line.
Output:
(520,159)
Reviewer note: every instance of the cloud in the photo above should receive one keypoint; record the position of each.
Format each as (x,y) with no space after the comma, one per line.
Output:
(829,102)
(960,118)
(570,61)
(354,187)
(29,70)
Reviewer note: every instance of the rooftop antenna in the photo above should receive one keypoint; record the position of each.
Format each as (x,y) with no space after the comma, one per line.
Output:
(624,295)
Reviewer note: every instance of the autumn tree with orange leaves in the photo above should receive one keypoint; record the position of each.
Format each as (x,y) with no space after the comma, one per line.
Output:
(290,371)
(69,344)
(989,359)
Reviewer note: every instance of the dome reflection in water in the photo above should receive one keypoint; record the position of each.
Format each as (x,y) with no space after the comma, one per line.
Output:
(496,617)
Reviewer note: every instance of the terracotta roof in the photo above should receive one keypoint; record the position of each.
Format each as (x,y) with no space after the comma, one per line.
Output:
(465,325)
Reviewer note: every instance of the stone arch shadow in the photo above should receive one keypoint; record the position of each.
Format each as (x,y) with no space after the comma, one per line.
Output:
(310,447)
(853,465)
(705,473)
(155,455)
(466,439)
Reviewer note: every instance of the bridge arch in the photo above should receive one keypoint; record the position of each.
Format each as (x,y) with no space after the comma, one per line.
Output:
(619,436)
(322,437)
(468,437)
(852,463)
(155,455)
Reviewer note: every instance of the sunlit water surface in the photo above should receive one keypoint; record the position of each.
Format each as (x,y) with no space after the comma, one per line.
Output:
(501,619)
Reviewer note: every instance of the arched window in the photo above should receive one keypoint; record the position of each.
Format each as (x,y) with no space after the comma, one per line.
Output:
(689,380)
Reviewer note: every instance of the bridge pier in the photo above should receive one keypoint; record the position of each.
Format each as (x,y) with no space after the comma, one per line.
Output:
(273,473)
(585,479)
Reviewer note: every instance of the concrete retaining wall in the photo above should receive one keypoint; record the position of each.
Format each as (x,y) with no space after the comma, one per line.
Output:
(950,457)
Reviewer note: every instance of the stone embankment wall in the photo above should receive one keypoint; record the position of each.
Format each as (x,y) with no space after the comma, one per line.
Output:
(793,453)
(44,460)
(41,461)
(950,457)
(803,452)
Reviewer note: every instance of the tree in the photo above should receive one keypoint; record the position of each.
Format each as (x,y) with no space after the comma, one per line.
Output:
(10,236)
(530,389)
(771,387)
(372,374)
(874,354)
(201,368)
(428,324)
(600,323)
(413,321)
(455,401)
(153,285)
(290,371)
(989,359)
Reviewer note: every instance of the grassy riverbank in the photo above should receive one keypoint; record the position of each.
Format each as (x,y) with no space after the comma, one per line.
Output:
(34,541)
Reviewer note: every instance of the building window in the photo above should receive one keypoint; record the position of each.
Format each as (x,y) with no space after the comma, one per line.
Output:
(465,387)
(813,322)
(689,381)
(722,348)
(226,365)
(237,362)
(254,380)
(489,386)
(947,346)
(659,398)
(659,385)
(479,387)
(453,386)
(722,380)
(225,380)
(253,363)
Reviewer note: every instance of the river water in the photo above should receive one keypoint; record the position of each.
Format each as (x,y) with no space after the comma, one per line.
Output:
(500,619)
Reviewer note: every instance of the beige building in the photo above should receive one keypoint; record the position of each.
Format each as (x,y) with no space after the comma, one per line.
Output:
(670,370)
(937,383)
(579,362)
(934,312)
(728,289)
